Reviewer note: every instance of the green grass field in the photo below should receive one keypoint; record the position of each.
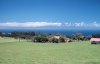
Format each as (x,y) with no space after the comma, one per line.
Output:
(14,52)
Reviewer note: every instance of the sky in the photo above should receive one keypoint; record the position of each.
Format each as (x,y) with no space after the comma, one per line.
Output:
(50,14)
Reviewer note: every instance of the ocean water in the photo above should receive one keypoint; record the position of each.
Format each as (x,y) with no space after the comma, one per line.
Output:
(69,32)
(52,31)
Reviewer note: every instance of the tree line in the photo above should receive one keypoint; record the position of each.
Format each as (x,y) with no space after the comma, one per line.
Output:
(43,38)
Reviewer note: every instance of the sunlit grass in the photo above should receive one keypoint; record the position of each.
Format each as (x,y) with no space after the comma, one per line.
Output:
(14,52)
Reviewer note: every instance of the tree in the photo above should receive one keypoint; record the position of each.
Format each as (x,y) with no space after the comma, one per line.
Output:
(54,40)
(1,34)
(62,39)
(40,39)
(78,36)
(23,35)
(96,35)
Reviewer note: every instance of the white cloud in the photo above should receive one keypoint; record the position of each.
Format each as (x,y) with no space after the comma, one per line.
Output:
(29,24)
(45,24)
(82,24)
(75,24)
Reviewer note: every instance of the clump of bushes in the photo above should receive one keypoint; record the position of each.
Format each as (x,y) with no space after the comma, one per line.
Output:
(40,39)
(54,40)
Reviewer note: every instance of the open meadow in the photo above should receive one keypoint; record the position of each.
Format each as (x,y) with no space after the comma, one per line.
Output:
(14,52)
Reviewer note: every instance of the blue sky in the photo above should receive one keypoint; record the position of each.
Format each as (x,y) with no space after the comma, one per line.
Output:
(51,13)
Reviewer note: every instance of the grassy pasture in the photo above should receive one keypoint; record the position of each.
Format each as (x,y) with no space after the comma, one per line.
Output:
(14,52)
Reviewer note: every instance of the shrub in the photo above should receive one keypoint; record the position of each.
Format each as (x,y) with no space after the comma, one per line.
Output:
(54,40)
(40,39)
(62,39)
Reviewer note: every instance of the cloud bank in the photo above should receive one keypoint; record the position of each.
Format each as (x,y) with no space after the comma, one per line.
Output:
(50,24)
(29,24)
